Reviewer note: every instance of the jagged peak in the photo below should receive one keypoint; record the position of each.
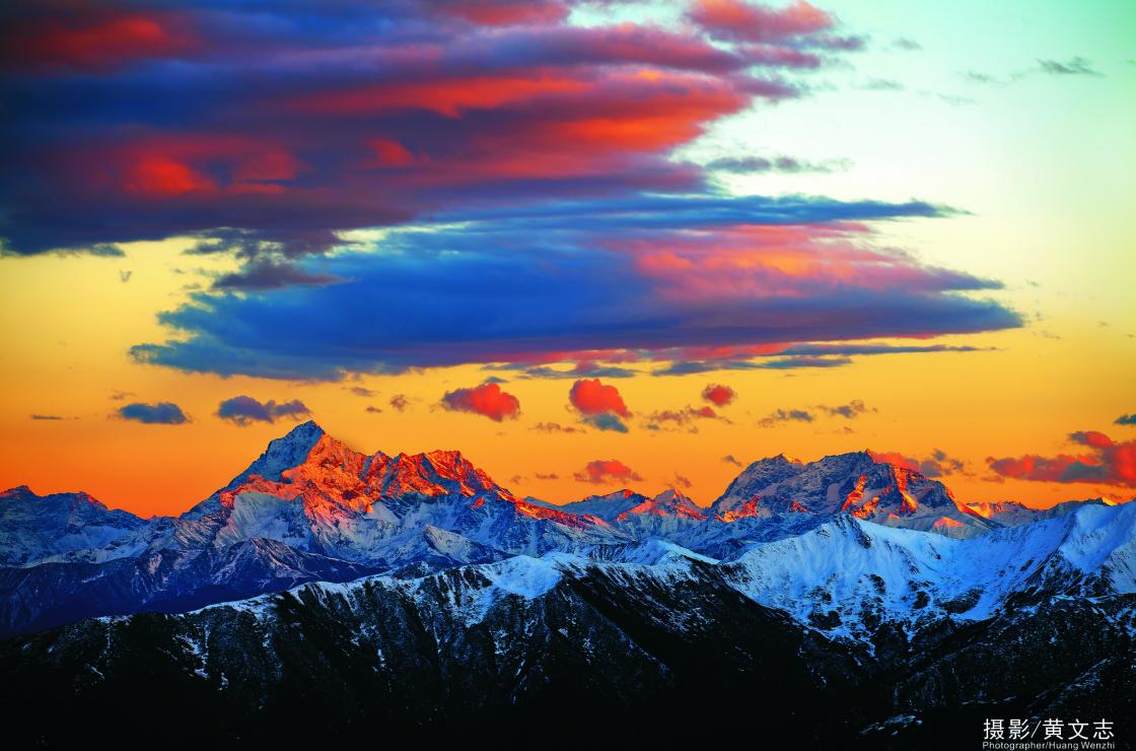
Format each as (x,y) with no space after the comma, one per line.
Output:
(285,452)
(25,493)
(18,492)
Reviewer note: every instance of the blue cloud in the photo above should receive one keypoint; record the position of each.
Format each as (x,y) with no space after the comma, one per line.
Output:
(495,291)
(160,413)
(242,410)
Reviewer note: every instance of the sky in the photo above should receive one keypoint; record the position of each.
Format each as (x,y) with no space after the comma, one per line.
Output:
(588,244)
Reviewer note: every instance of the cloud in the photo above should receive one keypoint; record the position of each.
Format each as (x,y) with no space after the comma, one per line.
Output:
(270,275)
(798,22)
(731,459)
(372,409)
(848,411)
(785,415)
(1076,66)
(939,464)
(603,471)
(682,481)
(243,410)
(394,110)
(1126,419)
(690,367)
(593,397)
(719,395)
(555,427)
(51,418)
(582,369)
(428,144)
(546,476)
(1106,462)
(1073,67)
(605,421)
(779,164)
(642,283)
(487,399)
(681,418)
(159,413)
(362,391)
(399,402)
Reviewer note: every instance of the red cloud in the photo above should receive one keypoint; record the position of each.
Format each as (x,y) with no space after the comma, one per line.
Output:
(602,471)
(718,394)
(1109,463)
(487,399)
(592,398)
(95,40)
(733,19)
(504,12)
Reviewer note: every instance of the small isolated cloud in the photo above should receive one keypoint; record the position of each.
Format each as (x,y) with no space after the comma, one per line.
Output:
(399,402)
(362,391)
(242,410)
(45,417)
(118,396)
(680,418)
(1105,461)
(124,276)
(372,409)
(719,395)
(159,413)
(546,476)
(682,481)
(601,471)
(487,400)
(592,397)
(731,459)
(906,44)
(600,405)
(848,411)
(1126,419)
(1076,66)
(555,427)
(785,415)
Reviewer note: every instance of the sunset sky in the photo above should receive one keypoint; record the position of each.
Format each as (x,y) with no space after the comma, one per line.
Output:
(542,233)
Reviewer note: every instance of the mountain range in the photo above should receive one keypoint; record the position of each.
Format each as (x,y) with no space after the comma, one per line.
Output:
(416,592)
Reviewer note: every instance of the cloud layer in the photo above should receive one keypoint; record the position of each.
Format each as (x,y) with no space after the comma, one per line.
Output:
(500,185)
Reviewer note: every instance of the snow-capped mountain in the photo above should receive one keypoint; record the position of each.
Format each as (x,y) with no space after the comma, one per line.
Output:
(791,535)
(847,576)
(419,582)
(35,528)
(315,494)
(666,515)
(856,484)
(1012,513)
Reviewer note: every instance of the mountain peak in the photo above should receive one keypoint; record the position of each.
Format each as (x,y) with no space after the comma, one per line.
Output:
(18,492)
(290,450)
